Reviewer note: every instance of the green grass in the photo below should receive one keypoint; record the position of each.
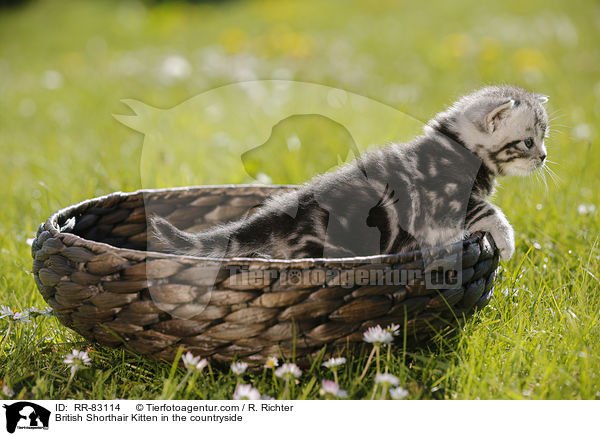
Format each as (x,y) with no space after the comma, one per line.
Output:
(540,336)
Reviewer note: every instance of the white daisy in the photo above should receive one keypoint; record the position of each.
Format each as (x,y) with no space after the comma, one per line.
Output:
(77,359)
(193,363)
(329,387)
(6,312)
(334,362)
(246,392)
(394,329)
(272,362)
(35,312)
(46,311)
(584,209)
(398,393)
(387,379)
(288,370)
(238,368)
(21,316)
(377,335)
(7,391)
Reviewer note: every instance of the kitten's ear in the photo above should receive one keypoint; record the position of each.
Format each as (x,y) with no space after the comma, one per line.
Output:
(542,98)
(488,114)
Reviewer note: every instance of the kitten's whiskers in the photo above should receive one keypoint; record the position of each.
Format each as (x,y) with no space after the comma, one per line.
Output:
(555,178)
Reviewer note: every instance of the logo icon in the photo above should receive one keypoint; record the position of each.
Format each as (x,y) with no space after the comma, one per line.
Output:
(26,415)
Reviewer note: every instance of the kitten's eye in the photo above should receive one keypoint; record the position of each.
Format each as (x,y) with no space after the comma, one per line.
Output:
(528,142)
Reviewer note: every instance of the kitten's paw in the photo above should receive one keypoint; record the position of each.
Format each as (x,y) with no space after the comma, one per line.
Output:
(505,241)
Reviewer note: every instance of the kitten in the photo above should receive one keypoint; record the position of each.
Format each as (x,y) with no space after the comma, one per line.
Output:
(429,192)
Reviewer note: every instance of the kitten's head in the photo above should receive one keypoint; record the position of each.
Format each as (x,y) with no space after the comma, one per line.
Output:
(504,125)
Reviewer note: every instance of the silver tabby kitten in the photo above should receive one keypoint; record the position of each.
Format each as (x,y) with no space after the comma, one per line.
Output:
(429,192)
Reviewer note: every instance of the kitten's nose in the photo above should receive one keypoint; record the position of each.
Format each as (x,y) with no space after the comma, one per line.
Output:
(543,157)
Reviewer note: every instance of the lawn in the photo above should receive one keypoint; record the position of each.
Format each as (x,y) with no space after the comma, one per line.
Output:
(65,66)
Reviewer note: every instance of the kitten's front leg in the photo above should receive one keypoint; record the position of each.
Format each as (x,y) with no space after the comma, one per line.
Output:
(486,217)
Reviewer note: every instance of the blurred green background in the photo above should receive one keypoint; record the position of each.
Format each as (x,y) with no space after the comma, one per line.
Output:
(65,66)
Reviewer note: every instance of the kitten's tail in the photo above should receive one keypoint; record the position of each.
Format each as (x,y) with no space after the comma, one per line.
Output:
(164,236)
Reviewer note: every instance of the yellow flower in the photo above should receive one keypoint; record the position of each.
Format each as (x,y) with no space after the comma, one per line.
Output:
(490,49)
(282,41)
(272,362)
(297,44)
(233,39)
(459,44)
(529,60)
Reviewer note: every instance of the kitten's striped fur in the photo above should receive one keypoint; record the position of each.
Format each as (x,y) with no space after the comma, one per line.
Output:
(429,192)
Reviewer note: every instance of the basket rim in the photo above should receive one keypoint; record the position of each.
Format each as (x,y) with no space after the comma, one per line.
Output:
(51,225)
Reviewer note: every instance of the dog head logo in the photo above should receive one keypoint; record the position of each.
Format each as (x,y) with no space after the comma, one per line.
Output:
(24,414)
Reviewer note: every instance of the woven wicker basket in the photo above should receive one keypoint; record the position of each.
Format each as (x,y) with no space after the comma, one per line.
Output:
(92,267)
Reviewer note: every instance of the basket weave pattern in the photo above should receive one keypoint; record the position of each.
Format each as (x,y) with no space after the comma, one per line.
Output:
(97,277)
